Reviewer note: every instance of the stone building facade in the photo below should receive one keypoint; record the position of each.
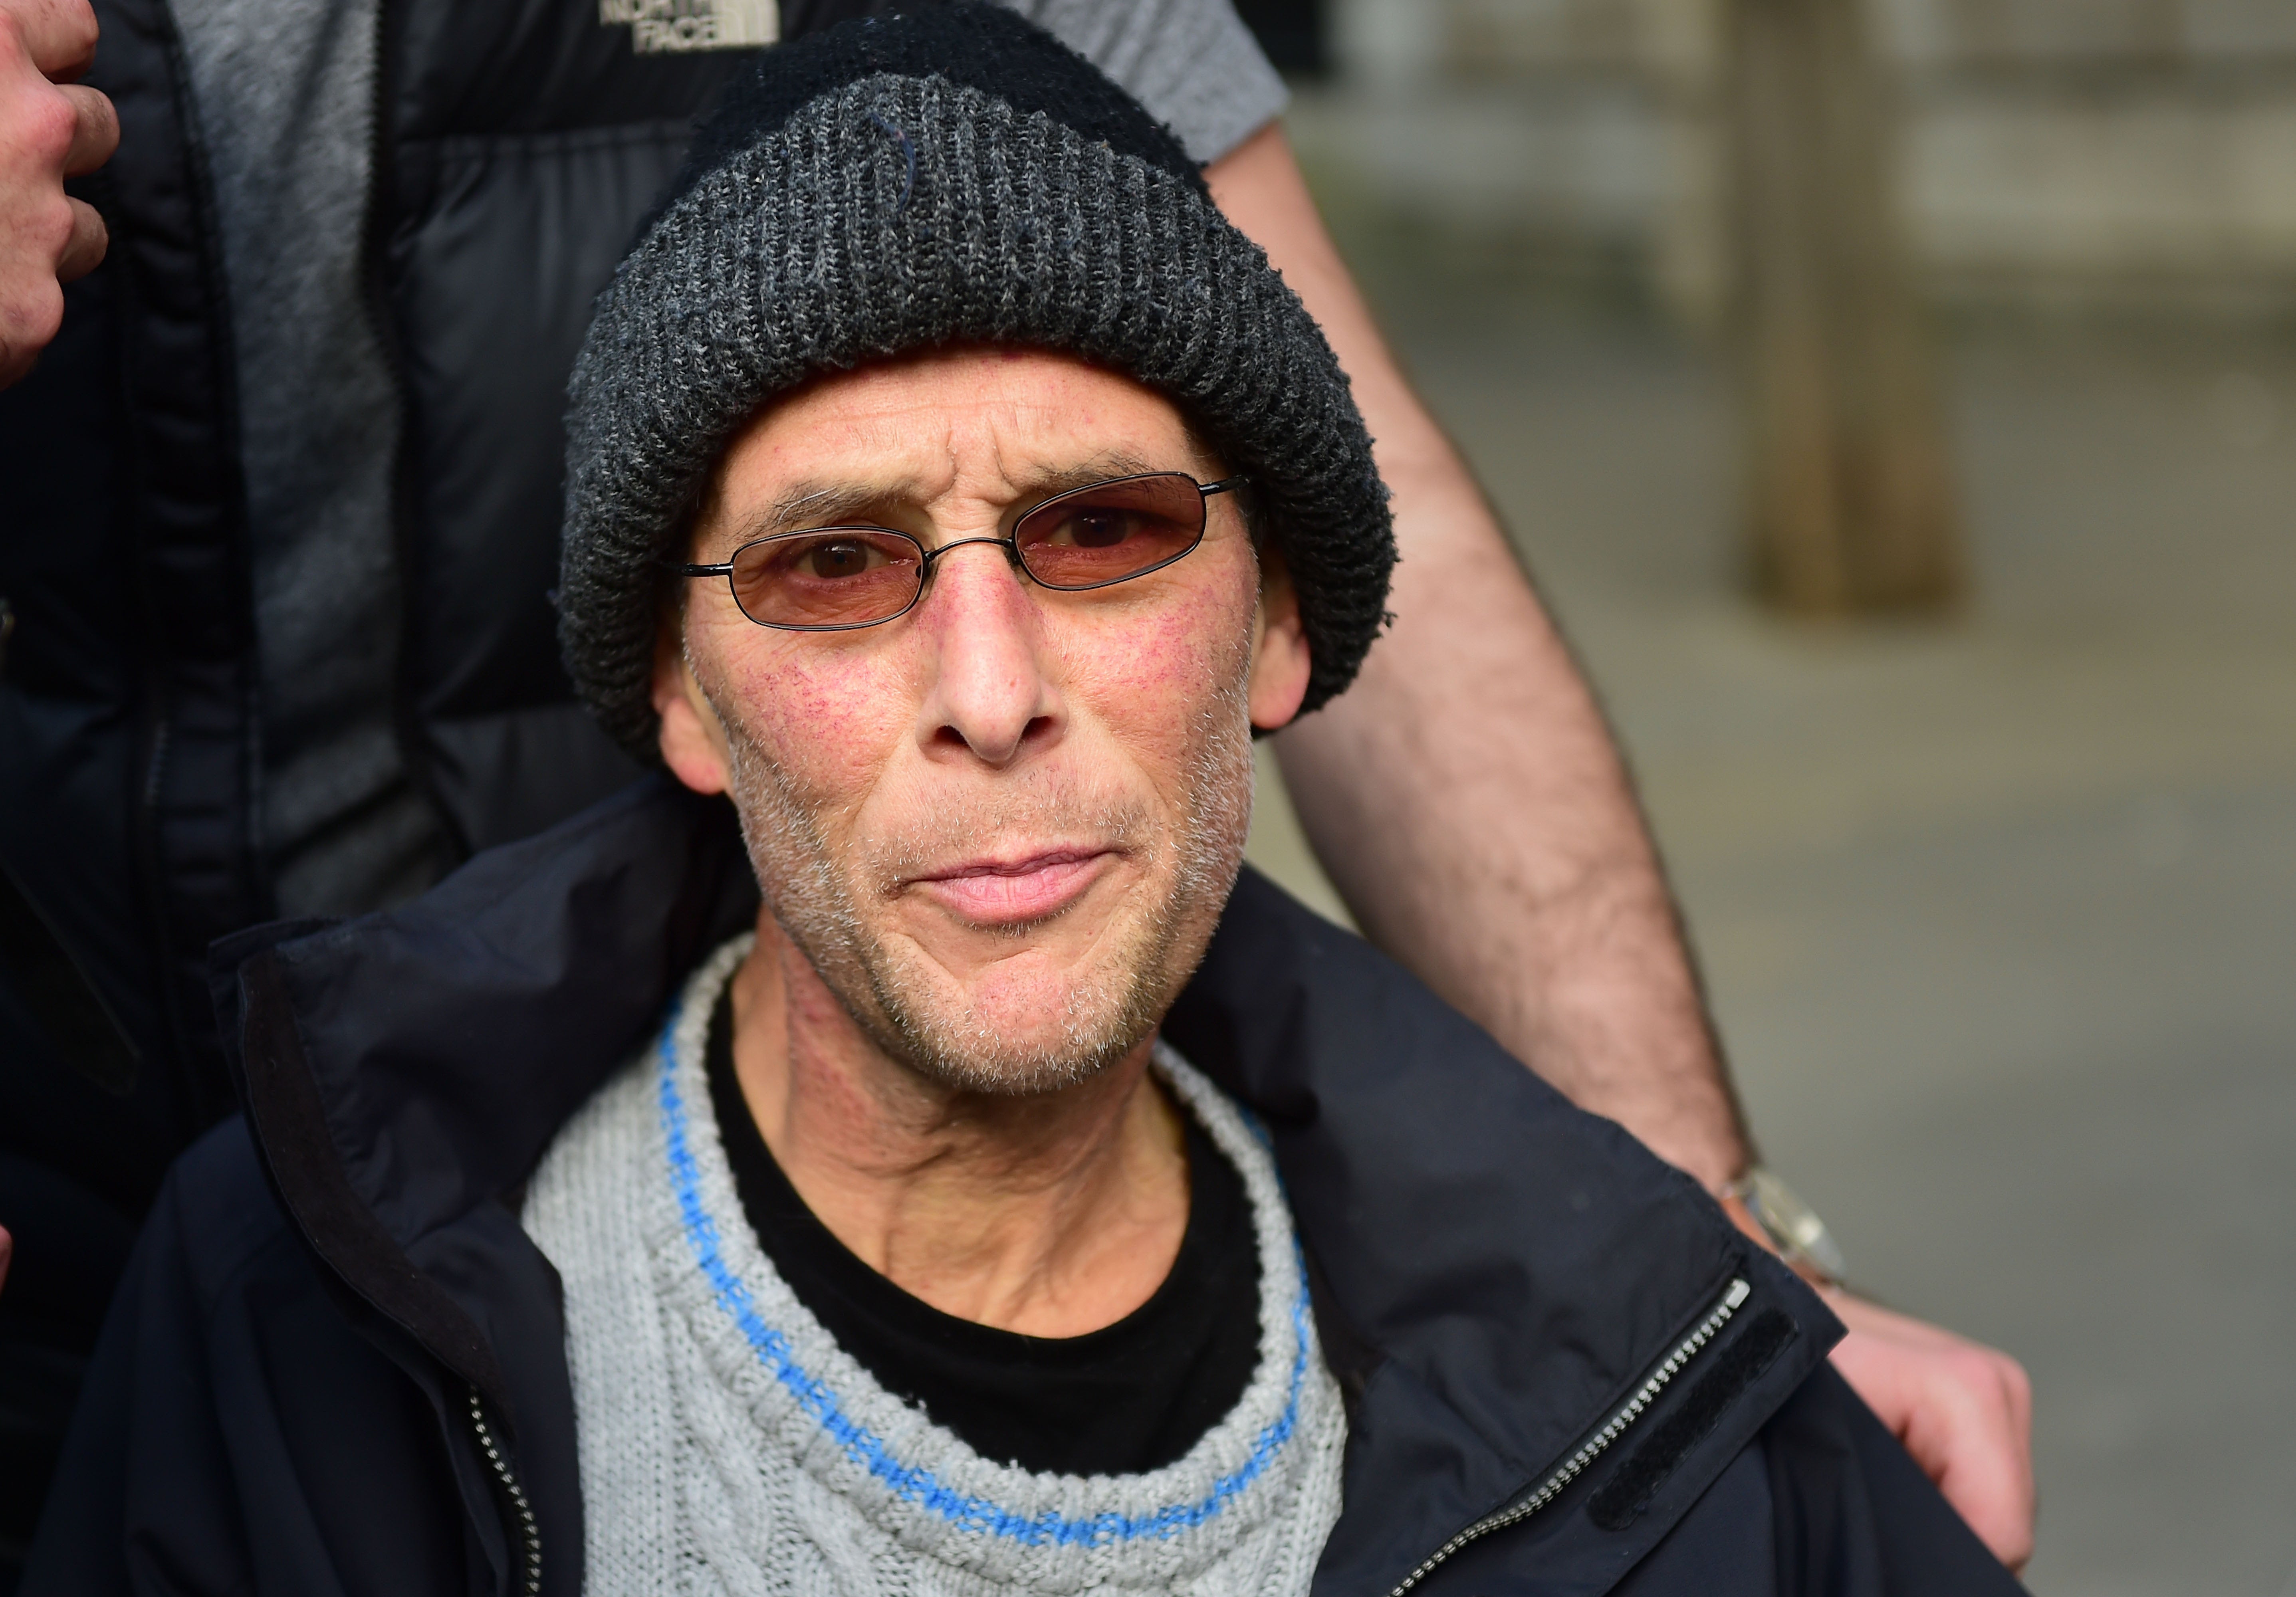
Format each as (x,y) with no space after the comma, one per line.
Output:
(2117,152)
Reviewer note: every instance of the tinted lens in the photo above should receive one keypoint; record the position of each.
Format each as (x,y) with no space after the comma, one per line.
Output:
(1105,533)
(841,576)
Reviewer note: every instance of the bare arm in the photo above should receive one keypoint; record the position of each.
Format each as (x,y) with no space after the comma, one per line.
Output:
(1466,799)
(1465,795)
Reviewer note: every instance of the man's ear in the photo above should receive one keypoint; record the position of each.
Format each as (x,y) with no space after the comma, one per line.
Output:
(1280,661)
(693,739)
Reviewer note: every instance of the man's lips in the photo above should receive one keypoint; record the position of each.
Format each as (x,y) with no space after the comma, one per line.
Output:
(1002,892)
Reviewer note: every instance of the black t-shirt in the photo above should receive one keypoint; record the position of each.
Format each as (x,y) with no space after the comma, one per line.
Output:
(1130,1398)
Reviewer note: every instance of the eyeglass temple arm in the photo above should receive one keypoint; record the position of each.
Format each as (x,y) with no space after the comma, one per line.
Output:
(1226,484)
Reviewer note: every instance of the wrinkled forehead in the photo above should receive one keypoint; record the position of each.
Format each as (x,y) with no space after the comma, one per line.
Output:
(974,422)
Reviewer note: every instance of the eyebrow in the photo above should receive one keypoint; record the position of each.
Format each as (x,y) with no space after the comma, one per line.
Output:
(826,504)
(811,505)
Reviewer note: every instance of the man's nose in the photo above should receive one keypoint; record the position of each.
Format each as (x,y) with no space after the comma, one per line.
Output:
(992,691)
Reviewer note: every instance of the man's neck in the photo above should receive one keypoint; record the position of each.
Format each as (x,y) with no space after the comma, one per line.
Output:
(1052,1213)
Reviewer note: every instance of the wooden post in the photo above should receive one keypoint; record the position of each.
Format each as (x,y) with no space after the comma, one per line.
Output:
(1850,499)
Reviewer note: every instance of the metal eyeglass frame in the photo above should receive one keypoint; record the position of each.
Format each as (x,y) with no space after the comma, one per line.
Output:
(1012,547)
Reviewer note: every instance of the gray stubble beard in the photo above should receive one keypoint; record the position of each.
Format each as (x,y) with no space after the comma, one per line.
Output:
(1108,1018)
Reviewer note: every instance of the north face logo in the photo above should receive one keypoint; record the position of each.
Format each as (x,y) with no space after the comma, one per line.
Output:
(659,26)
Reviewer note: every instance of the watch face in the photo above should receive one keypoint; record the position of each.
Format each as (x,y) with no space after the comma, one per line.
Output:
(1792,1224)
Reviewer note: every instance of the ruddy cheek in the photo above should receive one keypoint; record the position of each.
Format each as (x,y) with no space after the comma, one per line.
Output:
(1191,645)
(828,719)
(1152,677)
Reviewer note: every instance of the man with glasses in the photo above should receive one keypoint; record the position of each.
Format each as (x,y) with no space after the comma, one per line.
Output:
(954,490)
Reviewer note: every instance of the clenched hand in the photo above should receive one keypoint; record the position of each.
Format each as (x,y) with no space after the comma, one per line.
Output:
(1962,1410)
(50,128)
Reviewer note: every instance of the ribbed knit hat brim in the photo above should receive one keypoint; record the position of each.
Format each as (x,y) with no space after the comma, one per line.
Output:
(898,211)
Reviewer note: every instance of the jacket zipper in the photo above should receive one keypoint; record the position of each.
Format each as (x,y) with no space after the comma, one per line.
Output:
(1575,1465)
(529,1537)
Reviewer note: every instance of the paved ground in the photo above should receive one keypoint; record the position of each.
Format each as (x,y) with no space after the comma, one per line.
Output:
(1999,915)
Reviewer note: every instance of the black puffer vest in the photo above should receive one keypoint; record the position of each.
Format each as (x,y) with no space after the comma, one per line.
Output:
(518,142)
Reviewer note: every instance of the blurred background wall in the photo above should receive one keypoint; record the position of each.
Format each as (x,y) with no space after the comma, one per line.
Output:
(2053,152)
(1996,898)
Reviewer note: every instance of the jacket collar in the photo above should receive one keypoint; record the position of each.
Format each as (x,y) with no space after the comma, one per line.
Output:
(1500,1275)
(1497,1275)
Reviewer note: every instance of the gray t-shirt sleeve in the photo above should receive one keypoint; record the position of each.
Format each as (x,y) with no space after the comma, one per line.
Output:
(1192,63)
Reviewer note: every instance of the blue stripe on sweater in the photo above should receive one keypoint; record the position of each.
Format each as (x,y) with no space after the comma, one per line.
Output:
(911,1483)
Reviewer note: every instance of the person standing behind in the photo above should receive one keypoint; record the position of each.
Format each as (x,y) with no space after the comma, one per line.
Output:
(281,536)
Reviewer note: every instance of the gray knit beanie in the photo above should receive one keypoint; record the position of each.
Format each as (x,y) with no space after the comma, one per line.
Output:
(951,175)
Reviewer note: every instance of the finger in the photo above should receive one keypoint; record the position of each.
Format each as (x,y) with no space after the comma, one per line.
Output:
(1988,1489)
(84,251)
(1963,1411)
(32,302)
(58,36)
(95,129)
(1964,1430)
(2020,1387)
(1993,1499)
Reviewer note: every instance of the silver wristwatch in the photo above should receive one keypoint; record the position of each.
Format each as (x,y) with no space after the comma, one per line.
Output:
(1792,1226)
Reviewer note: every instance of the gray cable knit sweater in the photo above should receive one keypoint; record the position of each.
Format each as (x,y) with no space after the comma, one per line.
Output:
(729,1445)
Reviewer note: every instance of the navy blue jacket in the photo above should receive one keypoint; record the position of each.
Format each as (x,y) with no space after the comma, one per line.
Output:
(337,1363)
